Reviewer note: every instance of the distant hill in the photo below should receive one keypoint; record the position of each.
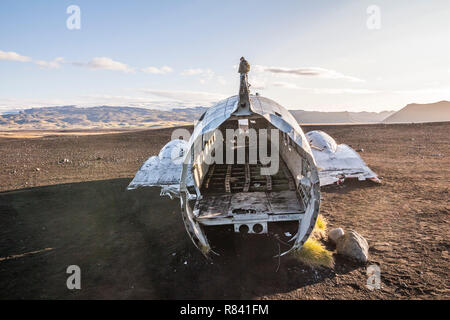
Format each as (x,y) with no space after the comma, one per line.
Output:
(340,116)
(101,117)
(431,112)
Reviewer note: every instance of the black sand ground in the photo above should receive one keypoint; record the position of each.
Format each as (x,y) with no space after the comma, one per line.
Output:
(132,244)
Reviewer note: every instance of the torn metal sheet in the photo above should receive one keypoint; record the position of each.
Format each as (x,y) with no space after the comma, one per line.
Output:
(163,170)
(337,162)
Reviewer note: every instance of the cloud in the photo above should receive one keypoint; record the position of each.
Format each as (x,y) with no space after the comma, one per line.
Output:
(56,63)
(91,100)
(125,100)
(289,85)
(98,63)
(204,74)
(221,80)
(105,63)
(257,83)
(195,72)
(186,96)
(343,91)
(10,104)
(155,70)
(307,72)
(13,56)
(444,90)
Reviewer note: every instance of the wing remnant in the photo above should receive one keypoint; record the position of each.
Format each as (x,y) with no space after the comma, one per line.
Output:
(163,170)
(337,162)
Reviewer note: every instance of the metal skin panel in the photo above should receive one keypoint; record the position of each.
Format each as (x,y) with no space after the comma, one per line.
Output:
(337,162)
(277,115)
(163,170)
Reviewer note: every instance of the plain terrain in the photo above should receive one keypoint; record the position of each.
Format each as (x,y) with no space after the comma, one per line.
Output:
(63,202)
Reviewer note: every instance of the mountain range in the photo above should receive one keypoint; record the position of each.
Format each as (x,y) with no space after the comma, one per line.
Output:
(340,116)
(100,117)
(110,117)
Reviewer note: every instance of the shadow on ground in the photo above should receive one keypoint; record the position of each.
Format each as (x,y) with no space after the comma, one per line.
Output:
(128,244)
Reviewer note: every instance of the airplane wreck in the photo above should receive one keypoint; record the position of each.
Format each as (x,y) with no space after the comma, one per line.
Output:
(247,170)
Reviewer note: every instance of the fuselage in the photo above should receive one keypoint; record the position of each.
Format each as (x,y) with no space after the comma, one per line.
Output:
(253,174)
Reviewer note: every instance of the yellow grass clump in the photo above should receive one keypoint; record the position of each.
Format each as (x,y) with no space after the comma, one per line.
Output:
(321,223)
(314,254)
(320,229)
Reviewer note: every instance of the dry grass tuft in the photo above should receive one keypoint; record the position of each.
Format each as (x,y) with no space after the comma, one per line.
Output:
(321,223)
(314,254)
(320,229)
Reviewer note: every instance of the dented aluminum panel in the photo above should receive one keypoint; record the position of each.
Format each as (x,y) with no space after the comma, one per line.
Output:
(162,171)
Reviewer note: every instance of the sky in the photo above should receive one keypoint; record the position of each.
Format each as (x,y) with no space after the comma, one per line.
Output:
(311,55)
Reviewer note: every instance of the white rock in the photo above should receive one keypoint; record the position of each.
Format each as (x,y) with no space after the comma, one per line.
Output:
(353,245)
(335,234)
